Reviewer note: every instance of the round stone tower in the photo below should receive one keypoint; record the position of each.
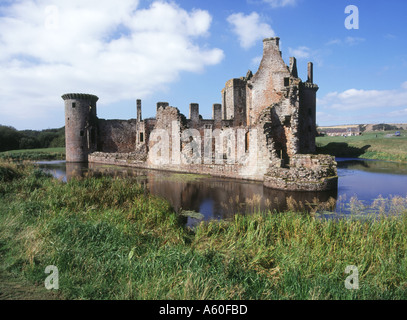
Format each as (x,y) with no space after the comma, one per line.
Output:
(80,126)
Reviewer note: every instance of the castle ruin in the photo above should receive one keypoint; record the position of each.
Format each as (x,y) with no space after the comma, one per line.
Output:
(264,130)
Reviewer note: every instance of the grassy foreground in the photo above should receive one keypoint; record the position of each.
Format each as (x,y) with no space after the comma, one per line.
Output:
(110,239)
(379,145)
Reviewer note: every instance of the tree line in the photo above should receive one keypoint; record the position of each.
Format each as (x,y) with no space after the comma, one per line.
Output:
(385,127)
(13,139)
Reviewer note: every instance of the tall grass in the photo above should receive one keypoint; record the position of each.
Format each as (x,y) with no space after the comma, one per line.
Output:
(110,239)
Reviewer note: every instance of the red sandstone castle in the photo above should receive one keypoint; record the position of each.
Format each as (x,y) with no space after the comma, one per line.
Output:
(266,124)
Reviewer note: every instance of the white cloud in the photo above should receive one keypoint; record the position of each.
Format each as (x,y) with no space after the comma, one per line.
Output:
(300,52)
(350,41)
(354,100)
(334,42)
(303,52)
(104,47)
(249,28)
(256,61)
(399,114)
(354,40)
(281,3)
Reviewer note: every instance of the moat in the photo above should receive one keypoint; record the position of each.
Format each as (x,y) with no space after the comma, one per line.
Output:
(221,198)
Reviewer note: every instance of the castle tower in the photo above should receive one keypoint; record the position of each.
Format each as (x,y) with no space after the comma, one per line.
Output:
(80,126)
(139,118)
(194,112)
(234,101)
(268,83)
(307,112)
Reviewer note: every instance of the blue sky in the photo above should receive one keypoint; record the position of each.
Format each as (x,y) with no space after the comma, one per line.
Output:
(184,51)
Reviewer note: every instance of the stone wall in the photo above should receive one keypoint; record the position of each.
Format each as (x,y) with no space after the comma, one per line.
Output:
(117,135)
(266,86)
(306,173)
(80,125)
(135,160)
(307,113)
(234,101)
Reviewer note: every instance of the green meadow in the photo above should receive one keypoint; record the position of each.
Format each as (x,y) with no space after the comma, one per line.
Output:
(379,145)
(111,239)
(34,154)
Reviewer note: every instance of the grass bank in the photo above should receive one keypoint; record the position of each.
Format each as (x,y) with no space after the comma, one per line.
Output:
(110,239)
(34,154)
(382,145)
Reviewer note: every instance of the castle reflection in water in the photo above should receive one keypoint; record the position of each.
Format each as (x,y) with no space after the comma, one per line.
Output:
(213,197)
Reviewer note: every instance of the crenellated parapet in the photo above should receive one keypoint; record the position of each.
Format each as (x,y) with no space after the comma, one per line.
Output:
(80,96)
(309,86)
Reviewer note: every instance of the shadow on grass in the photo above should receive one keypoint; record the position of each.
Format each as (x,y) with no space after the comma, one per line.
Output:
(342,149)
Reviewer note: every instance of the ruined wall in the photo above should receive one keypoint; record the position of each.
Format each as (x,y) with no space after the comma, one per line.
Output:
(165,119)
(234,101)
(266,86)
(306,173)
(307,113)
(117,135)
(275,109)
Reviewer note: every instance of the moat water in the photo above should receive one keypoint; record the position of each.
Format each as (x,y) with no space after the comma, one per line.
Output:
(361,182)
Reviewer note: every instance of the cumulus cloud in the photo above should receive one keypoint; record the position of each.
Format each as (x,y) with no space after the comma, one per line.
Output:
(109,48)
(249,28)
(281,3)
(300,52)
(354,99)
(303,52)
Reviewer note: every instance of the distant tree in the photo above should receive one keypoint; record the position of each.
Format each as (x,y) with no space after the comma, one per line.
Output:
(362,128)
(45,138)
(12,139)
(30,133)
(58,142)
(28,143)
(9,138)
(384,127)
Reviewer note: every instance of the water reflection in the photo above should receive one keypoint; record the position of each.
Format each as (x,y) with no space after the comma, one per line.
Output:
(368,179)
(213,197)
(373,166)
(221,198)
